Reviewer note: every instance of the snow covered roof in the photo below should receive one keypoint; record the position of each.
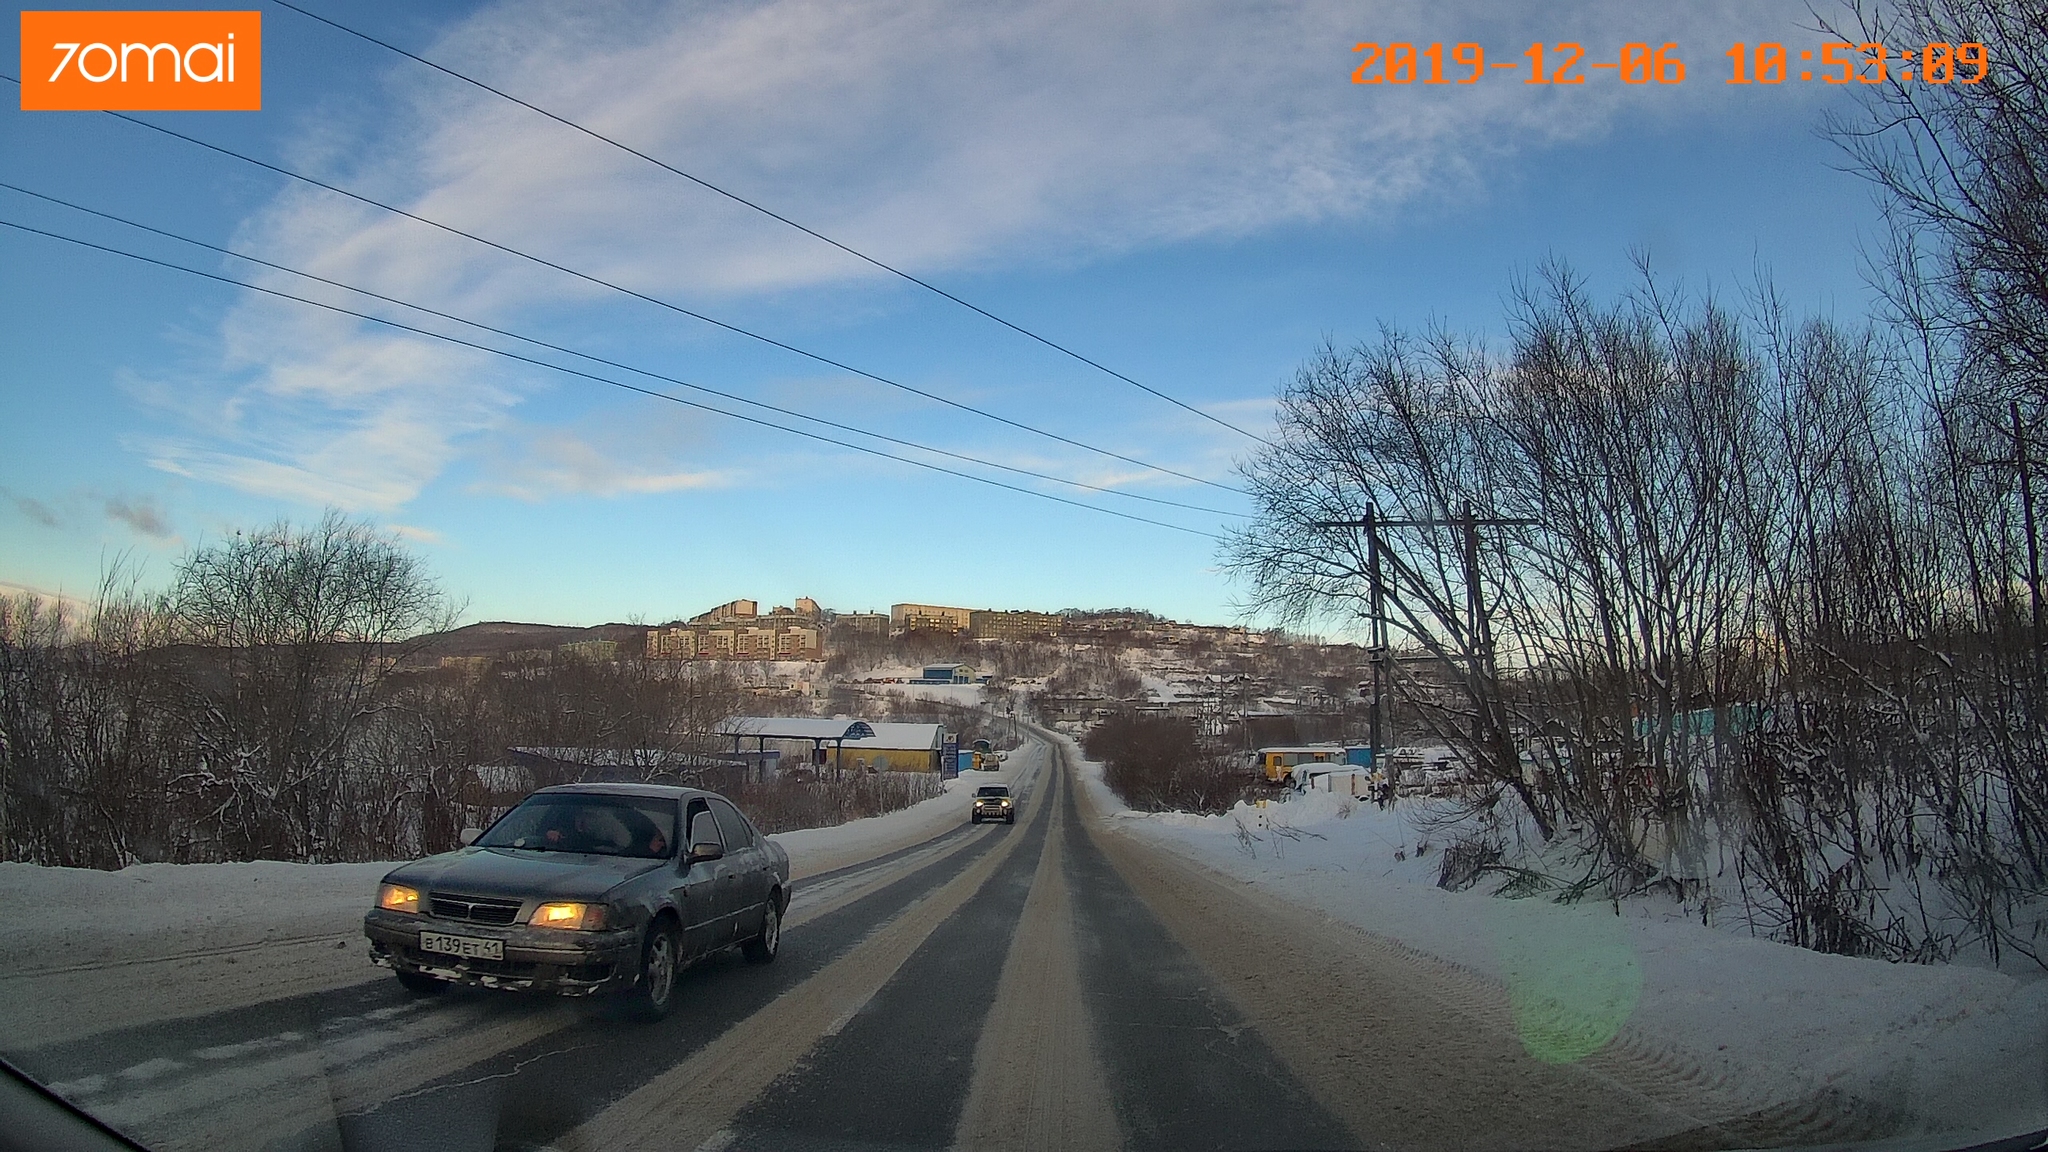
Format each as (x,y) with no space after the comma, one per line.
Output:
(895,736)
(797,728)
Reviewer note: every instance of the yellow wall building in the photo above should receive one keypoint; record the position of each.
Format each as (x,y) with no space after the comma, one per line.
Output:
(928,618)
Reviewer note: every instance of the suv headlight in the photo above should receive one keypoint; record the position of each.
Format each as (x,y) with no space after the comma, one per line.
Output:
(581,917)
(398,898)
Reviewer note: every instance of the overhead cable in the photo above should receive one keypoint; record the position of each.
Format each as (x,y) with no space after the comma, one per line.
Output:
(594,358)
(657,301)
(649,392)
(771,214)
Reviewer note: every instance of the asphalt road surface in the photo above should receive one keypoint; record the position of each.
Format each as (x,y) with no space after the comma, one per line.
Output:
(1051,984)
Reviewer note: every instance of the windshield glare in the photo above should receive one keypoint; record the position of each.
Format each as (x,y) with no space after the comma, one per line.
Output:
(598,825)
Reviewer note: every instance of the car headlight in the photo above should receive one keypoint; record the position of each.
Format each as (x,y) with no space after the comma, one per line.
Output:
(1006,801)
(583,917)
(398,898)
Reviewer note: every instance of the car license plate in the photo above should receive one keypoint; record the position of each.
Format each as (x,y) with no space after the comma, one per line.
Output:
(467,947)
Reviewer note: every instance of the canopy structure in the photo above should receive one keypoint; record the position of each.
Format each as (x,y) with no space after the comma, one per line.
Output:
(762,729)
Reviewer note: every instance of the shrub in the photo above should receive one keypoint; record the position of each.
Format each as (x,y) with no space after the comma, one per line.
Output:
(1158,764)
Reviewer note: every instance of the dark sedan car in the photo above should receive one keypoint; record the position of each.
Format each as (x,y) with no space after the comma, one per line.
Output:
(586,888)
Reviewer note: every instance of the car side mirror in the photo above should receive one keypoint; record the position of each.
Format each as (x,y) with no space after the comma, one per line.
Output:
(469,836)
(706,850)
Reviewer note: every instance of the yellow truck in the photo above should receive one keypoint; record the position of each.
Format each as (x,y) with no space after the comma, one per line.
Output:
(1276,765)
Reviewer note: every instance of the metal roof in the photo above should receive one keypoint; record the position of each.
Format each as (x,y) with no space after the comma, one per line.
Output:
(900,736)
(796,728)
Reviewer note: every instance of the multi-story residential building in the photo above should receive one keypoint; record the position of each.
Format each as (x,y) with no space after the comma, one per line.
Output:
(729,612)
(737,631)
(864,623)
(928,618)
(1012,625)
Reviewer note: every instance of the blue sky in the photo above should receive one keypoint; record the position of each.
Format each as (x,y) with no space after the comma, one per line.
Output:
(1191,194)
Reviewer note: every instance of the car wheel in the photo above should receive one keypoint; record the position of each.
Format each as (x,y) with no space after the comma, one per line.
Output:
(761,949)
(1010,819)
(421,984)
(974,819)
(660,964)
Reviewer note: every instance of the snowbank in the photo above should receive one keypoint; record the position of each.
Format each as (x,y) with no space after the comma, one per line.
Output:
(1964,1049)
(815,850)
(85,916)
(84,951)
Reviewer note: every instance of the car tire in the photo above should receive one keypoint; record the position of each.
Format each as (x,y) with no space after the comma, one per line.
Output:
(1010,819)
(975,818)
(421,984)
(661,967)
(762,949)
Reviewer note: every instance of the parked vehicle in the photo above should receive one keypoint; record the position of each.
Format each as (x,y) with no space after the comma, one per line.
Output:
(586,888)
(1275,764)
(993,802)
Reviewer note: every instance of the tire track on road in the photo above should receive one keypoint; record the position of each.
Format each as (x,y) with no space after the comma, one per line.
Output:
(703,1098)
(1411,1050)
(1038,1082)
(1187,1069)
(352,1053)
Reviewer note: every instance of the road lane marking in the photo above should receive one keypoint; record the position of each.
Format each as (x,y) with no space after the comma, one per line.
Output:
(354,1068)
(1037,1081)
(694,1101)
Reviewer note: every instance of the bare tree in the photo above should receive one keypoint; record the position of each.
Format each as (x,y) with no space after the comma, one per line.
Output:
(287,635)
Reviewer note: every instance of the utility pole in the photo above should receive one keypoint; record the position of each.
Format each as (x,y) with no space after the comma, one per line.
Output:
(2019,452)
(1377,633)
(1480,668)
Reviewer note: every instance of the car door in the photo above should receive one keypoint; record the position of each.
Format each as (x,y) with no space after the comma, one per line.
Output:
(750,871)
(702,892)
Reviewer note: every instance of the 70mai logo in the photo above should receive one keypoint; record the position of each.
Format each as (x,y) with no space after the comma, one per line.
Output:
(142,61)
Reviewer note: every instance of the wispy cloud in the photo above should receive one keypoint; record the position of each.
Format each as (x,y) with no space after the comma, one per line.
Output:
(141,514)
(607,455)
(37,511)
(325,410)
(417,534)
(942,137)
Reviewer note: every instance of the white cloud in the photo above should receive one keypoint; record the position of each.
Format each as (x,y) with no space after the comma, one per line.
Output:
(939,136)
(417,534)
(324,409)
(608,455)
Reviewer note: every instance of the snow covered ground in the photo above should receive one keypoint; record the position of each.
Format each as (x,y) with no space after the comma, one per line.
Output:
(815,850)
(1963,1049)
(82,951)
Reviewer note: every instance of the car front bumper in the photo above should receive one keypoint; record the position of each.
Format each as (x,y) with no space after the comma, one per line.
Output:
(536,959)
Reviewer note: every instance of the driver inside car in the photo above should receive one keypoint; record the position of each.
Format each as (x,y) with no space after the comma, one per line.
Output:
(581,830)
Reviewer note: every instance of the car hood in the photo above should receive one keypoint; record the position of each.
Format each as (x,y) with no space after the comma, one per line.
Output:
(518,873)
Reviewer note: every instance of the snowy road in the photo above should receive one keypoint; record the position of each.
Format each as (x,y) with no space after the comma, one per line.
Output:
(1051,984)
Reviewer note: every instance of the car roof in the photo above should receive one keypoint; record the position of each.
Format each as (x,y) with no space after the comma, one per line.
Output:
(652,791)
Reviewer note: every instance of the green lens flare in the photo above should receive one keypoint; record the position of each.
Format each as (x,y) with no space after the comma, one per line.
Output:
(1572,975)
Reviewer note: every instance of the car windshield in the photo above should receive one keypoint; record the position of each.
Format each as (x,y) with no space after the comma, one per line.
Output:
(599,825)
(993,791)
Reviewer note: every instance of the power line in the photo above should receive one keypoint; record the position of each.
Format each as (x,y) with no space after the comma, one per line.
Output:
(649,392)
(604,360)
(773,215)
(654,300)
